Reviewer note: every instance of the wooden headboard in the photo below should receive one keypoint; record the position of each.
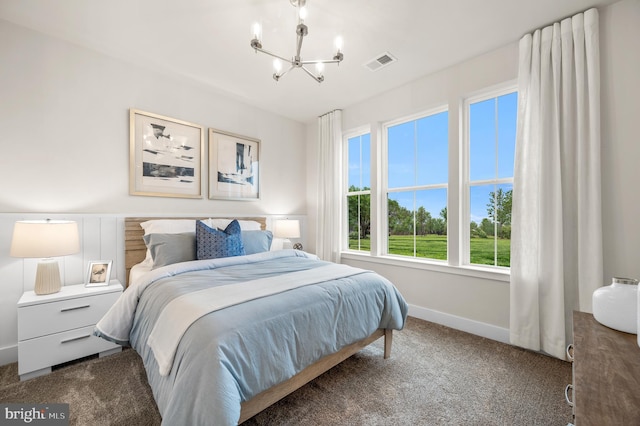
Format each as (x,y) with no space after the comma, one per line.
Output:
(134,248)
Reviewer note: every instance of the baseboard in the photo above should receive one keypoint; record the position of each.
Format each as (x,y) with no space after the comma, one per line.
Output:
(8,355)
(459,323)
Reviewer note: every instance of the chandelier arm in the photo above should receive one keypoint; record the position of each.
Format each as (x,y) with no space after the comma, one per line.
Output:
(277,76)
(284,72)
(300,38)
(273,54)
(321,61)
(319,79)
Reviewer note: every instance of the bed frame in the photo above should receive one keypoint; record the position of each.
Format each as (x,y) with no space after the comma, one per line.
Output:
(135,251)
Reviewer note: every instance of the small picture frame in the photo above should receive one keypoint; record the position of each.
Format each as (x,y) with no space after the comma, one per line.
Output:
(99,273)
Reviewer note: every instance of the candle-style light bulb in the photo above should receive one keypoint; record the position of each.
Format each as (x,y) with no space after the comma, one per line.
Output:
(257,31)
(319,67)
(302,13)
(277,65)
(339,45)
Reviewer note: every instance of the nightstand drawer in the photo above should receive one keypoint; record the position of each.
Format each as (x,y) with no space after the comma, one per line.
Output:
(35,354)
(48,318)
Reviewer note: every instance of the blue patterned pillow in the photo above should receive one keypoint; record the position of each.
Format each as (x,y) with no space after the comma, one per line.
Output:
(212,243)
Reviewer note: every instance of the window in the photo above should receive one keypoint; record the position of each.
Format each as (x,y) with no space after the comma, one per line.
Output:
(491,144)
(359,191)
(404,205)
(417,176)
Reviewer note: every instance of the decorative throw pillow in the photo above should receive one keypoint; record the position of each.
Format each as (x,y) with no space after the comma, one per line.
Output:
(256,241)
(212,243)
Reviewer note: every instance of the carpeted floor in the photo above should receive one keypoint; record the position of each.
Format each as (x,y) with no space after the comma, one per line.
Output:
(435,376)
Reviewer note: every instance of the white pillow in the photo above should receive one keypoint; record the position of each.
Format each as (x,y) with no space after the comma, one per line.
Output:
(168,226)
(245,225)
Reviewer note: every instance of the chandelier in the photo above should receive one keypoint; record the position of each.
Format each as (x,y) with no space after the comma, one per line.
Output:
(296,61)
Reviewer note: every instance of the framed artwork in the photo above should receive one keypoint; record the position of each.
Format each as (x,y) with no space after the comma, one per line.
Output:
(234,166)
(166,156)
(99,273)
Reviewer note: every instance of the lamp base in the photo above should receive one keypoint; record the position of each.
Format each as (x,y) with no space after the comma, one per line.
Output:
(47,277)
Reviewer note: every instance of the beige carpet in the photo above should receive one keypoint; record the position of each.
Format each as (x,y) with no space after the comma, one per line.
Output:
(435,376)
(100,391)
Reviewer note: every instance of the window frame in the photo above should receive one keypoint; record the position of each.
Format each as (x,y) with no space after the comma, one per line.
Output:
(385,191)
(465,150)
(344,238)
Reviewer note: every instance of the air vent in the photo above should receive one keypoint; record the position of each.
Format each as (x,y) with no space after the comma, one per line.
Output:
(380,61)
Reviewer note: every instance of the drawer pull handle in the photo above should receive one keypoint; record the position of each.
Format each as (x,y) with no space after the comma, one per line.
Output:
(566,395)
(73,339)
(75,308)
(570,352)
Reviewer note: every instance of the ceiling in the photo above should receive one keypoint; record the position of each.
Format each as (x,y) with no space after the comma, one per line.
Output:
(208,40)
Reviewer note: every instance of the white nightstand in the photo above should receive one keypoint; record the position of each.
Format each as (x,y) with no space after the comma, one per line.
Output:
(56,328)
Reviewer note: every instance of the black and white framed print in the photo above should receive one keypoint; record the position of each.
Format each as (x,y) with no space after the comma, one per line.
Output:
(234,166)
(166,156)
(99,273)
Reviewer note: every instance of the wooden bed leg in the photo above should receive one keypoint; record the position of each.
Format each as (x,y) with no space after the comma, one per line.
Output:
(388,337)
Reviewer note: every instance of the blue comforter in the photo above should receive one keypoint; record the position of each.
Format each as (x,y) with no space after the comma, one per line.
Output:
(230,355)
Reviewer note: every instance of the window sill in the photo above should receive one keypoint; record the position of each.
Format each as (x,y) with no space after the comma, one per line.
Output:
(476,271)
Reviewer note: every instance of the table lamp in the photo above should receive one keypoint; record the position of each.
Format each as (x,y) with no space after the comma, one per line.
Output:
(45,239)
(287,228)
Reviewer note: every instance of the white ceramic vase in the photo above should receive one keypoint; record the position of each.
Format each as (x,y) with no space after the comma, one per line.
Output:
(616,305)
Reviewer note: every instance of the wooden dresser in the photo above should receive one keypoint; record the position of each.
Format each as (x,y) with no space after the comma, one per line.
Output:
(606,374)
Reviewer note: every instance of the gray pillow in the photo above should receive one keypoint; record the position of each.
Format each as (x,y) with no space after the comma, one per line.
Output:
(256,241)
(167,249)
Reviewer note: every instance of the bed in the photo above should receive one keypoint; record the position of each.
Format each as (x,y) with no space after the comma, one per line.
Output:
(223,338)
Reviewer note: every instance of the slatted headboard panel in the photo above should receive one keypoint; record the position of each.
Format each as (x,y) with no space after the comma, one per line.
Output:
(134,248)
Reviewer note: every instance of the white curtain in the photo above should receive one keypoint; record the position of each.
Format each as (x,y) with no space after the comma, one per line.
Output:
(329,193)
(556,245)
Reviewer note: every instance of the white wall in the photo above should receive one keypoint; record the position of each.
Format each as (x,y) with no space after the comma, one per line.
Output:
(481,305)
(620,94)
(64,126)
(64,117)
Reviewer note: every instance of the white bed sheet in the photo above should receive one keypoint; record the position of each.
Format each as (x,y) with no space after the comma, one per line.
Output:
(138,271)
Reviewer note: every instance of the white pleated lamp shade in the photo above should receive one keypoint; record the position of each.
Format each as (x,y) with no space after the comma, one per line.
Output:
(45,239)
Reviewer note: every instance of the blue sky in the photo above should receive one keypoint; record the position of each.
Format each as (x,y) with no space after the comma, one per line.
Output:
(418,155)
